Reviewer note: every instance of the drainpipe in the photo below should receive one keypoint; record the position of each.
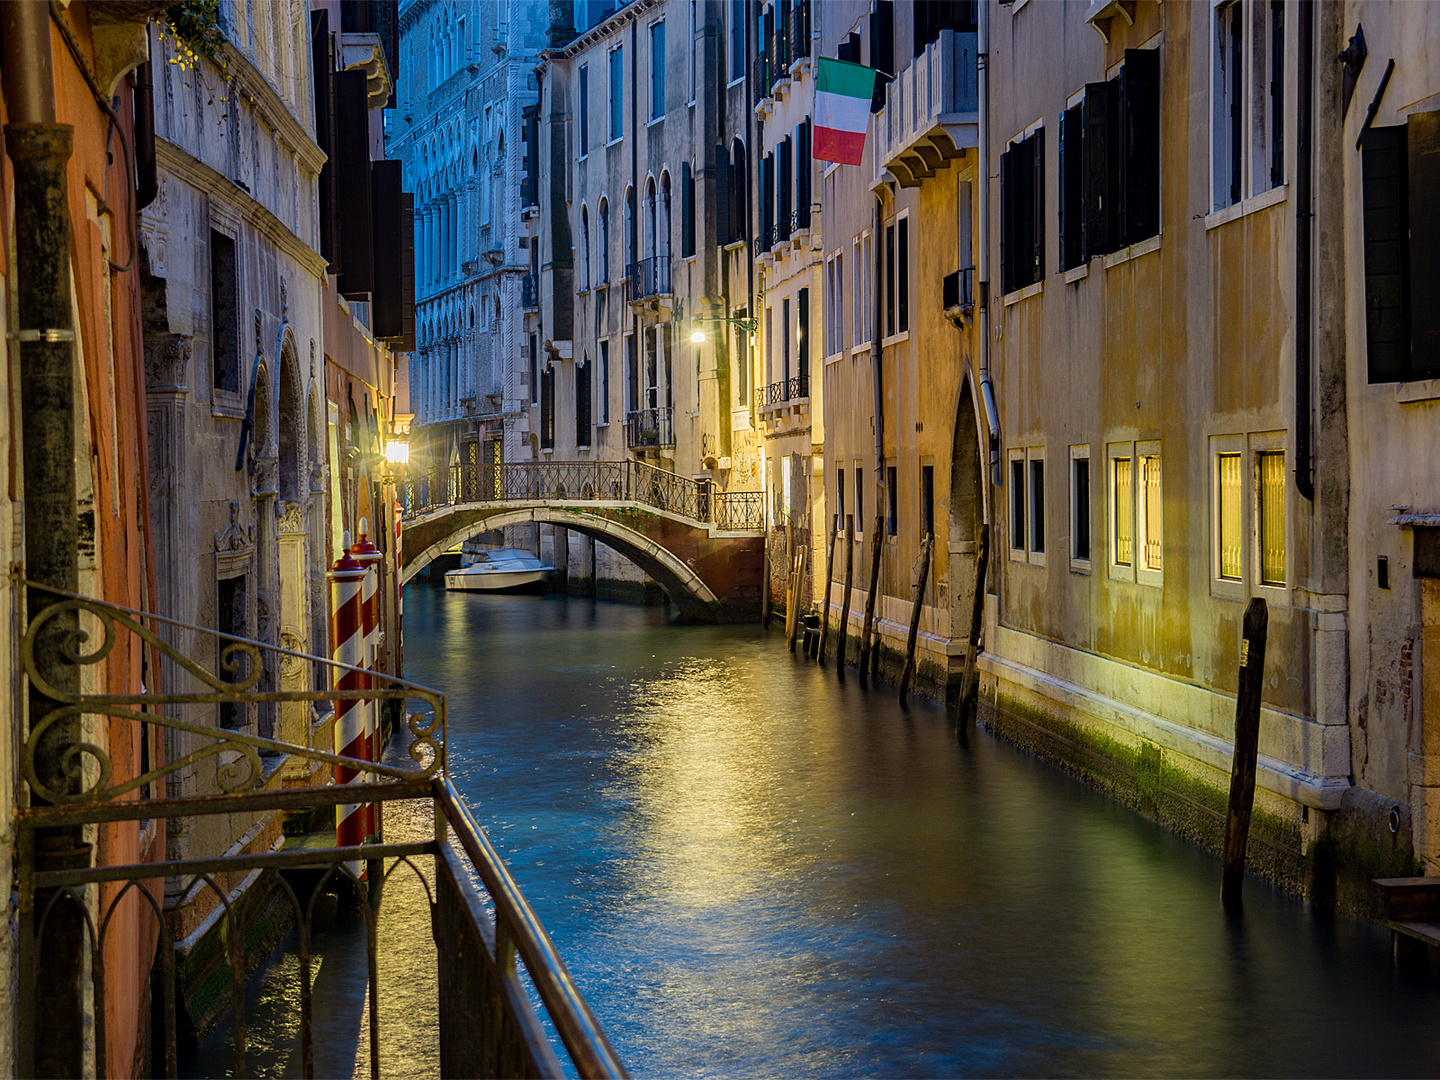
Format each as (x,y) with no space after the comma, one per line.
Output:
(1304,163)
(146,183)
(982,257)
(39,151)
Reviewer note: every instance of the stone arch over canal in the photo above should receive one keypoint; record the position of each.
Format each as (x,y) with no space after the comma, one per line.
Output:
(710,574)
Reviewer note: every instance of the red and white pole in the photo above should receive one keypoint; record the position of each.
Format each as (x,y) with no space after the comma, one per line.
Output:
(366,554)
(347,640)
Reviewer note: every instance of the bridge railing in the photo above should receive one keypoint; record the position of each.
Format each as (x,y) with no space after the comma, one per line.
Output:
(582,481)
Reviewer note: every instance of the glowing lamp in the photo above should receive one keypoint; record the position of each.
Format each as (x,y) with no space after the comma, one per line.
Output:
(397,452)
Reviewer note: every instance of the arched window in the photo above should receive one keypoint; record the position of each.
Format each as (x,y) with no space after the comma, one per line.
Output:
(663,246)
(584,247)
(650,246)
(604,248)
(631,225)
(582,402)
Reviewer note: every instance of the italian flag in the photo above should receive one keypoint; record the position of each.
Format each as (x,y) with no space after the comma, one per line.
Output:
(842,110)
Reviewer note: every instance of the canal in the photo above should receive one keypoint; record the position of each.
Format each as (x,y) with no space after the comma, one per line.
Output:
(755,871)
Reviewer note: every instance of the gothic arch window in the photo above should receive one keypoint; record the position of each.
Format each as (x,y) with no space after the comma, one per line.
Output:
(650,246)
(604,248)
(631,225)
(663,244)
(584,246)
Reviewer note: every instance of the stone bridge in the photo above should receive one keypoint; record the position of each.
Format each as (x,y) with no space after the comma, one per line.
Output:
(704,548)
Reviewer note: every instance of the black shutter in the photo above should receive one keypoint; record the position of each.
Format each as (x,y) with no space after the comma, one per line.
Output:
(1037,216)
(785,189)
(802,339)
(386,317)
(1099,180)
(1072,186)
(407,273)
(1277,92)
(322,67)
(687,211)
(1140,157)
(762,58)
(721,173)
(850,49)
(922,24)
(1383,168)
(882,50)
(357,262)
(802,173)
(1423,157)
(1007,220)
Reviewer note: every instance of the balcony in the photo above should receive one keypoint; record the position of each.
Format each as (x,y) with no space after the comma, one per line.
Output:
(795,389)
(649,429)
(529,293)
(932,113)
(648,280)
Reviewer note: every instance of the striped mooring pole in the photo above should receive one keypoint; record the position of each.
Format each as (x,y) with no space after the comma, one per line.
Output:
(368,556)
(347,642)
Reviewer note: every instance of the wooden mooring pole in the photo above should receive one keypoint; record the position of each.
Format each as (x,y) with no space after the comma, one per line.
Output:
(802,567)
(1247,749)
(825,600)
(916,608)
(977,621)
(869,637)
(765,584)
(845,603)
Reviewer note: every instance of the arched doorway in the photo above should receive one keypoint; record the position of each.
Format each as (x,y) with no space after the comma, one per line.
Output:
(967,513)
(293,543)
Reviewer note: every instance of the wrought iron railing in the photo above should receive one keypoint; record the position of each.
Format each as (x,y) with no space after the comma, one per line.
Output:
(799,30)
(487,1023)
(570,482)
(649,429)
(795,388)
(647,278)
(529,292)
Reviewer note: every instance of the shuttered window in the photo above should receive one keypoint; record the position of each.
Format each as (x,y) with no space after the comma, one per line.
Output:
(1229,505)
(1270,470)
(802,340)
(687,211)
(617,92)
(582,403)
(584,109)
(1139,152)
(723,199)
(802,175)
(1123,511)
(902,274)
(1072,188)
(1423,166)
(786,186)
(1022,213)
(1101,113)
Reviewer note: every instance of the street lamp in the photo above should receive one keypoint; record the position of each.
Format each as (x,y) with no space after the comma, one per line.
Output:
(697,336)
(397,452)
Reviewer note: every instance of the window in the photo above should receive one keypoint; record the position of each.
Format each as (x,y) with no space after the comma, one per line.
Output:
(737,39)
(802,340)
(582,402)
(632,374)
(1247,98)
(860,496)
(584,248)
(785,188)
(902,270)
(224,322)
(1022,212)
(890,280)
(1149,517)
(693,27)
(666,230)
(1017,504)
(1402,286)
(864,274)
(1037,506)
(547,409)
(891,503)
(1122,515)
(1072,188)
(840,496)
(604,249)
(803,194)
(657,70)
(830,299)
(687,210)
(604,382)
(534,371)
(1080,504)
(927,499)
(1270,470)
(584,109)
(1230,500)
(785,345)
(617,92)
(231,618)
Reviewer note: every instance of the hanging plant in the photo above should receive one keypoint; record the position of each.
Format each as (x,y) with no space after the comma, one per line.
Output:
(195,30)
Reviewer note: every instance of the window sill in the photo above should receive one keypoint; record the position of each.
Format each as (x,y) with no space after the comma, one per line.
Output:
(1037,558)
(1227,589)
(857,350)
(1420,390)
(1024,294)
(1153,578)
(1080,566)
(655,120)
(616,141)
(1134,251)
(584,157)
(732,83)
(896,339)
(1247,206)
(229,412)
(1077,273)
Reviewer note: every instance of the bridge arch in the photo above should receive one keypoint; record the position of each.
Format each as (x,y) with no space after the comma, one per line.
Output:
(681,583)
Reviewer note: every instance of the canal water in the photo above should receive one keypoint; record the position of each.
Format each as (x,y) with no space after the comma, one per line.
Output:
(753,870)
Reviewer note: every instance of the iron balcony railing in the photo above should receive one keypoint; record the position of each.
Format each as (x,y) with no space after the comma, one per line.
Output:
(777,393)
(571,482)
(649,429)
(529,292)
(799,31)
(647,278)
(481,922)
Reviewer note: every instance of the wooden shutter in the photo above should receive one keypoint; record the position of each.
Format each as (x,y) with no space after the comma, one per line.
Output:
(1007,220)
(1383,170)
(1423,216)
(687,211)
(786,188)
(802,173)
(1072,187)
(1037,216)
(720,172)
(1099,174)
(386,319)
(357,262)
(1140,154)
(322,61)
(802,338)
(882,50)
(407,273)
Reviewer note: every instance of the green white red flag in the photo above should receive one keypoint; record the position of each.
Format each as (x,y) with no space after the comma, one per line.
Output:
(842,110)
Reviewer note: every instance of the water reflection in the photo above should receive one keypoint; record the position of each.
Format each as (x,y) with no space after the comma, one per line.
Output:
(754,871)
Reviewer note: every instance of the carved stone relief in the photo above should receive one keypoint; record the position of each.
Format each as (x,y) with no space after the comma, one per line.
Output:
(167,361)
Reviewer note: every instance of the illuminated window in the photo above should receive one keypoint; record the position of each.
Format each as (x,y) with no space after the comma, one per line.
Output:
(1151,549)
(1123,511)
(1229,511)
(1271,470)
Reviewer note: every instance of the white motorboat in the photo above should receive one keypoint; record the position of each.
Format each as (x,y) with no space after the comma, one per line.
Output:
(497,570)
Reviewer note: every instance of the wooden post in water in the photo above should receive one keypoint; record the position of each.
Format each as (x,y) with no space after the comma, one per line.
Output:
(916,608)
(825,602)
(1247,749)
(765,580)
(867,631)
(977,621)
(845,603)
(802,564)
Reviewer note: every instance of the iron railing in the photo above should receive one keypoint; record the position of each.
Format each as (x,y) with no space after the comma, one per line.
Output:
(488,1025)
(647,278)
(799,30)
(649,429)
(777,393)
(571,482)
(529,292)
